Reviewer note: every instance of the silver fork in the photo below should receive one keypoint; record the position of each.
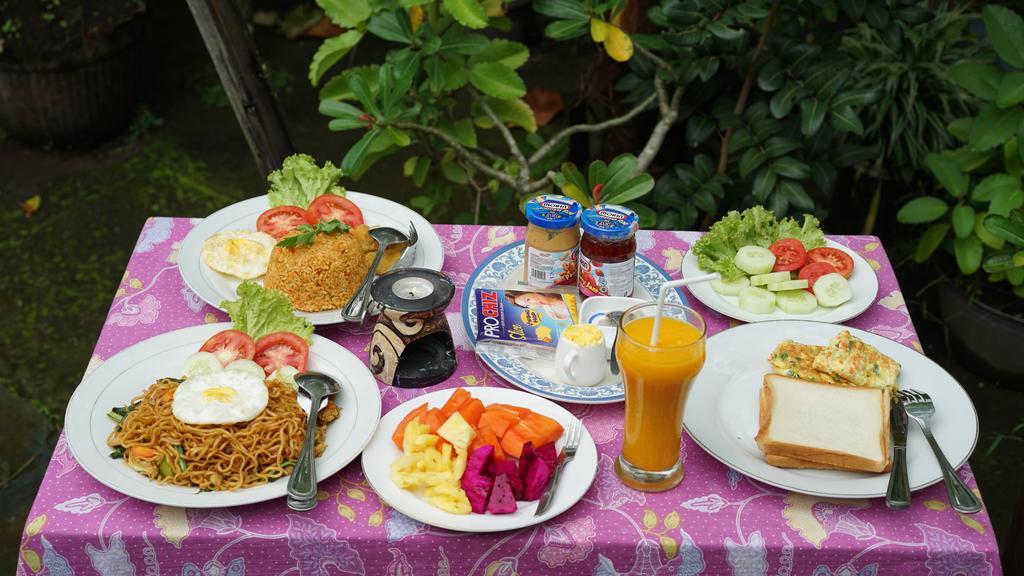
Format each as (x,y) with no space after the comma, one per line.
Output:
(920,407)
(572,443)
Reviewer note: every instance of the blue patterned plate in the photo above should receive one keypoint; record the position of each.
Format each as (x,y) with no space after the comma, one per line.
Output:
(502,270)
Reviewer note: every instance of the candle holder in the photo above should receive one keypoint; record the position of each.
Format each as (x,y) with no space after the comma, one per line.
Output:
(412,343)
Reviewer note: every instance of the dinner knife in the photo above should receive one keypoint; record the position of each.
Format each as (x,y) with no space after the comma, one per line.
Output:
(897,496)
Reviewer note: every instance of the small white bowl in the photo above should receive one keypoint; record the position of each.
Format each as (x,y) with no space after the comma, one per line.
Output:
(595,311)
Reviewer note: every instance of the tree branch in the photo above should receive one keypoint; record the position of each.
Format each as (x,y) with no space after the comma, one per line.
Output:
(748,84)
(461,151)
(600,126)
(524,165)
(540,184)
(655,58)
(669,114)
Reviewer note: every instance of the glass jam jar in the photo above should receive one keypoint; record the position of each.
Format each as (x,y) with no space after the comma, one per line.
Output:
(607,251)
(552,241)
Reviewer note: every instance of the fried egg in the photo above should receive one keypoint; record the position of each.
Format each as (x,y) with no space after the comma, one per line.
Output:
(240,253)
(225,397)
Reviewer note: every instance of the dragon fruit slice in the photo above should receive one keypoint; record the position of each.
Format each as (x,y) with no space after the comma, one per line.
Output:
(537,477)
(548,454)
(479,460)
(511,470)
(526,459)
(502,501)
(477,488)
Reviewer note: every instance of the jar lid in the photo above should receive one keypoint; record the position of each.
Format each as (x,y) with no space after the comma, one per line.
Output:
(553,212)
(610,222)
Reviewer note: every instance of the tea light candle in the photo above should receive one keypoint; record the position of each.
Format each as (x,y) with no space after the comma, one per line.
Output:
(413,288)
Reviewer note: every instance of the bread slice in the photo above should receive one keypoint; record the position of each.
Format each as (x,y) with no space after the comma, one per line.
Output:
(837,427)
(790,462)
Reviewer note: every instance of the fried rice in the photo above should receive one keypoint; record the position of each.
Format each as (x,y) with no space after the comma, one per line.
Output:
(325,274)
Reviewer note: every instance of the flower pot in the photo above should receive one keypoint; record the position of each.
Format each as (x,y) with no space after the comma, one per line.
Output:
(991,341)
(73,101)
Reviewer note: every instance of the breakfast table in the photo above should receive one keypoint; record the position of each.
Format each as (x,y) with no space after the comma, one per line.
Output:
(716,522)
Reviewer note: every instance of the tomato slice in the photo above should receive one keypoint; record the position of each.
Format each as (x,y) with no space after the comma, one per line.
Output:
(839,260)
(789,254)
(327,207)
(230,345)
(281,349)
(281,220)
(814,270)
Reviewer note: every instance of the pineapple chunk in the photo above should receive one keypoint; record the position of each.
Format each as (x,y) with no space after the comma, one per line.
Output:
(457,431)
(413,431)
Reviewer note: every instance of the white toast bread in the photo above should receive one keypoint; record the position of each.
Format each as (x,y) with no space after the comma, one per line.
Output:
(836,427)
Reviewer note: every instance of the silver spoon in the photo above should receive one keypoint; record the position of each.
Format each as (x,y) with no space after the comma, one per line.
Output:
(302,482)
(385,236)
(615,317)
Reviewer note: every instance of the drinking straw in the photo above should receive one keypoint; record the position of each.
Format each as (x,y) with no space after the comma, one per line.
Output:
(669,286)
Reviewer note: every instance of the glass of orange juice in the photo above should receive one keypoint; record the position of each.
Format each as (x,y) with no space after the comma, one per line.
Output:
(657,380)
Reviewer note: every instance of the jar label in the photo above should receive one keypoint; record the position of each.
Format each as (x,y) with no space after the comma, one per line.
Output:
(605,278)
(546,269)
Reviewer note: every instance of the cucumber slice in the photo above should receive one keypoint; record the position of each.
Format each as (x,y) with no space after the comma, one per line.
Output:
(247,366)
(788,285)
(201,363)
(755,260)
(757,300)
(729,288)
(796,301)
(770,278)
(832,289)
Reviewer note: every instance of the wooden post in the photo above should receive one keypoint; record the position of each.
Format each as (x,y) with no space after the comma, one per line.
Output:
(226,35)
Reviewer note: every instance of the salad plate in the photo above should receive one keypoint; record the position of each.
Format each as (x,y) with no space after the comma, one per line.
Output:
(576,476)
(128,373)
(722,412)
(214,287)
(504,269)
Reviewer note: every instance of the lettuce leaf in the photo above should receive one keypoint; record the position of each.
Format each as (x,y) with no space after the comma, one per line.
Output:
(300,180)
(755,226)
(260,311)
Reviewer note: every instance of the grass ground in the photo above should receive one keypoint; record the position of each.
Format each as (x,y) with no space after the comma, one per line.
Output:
(185,156)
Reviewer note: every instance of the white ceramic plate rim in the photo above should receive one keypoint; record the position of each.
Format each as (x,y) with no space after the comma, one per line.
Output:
(863,283)
(576,477)
(428,252)
(129,372)
(705,425)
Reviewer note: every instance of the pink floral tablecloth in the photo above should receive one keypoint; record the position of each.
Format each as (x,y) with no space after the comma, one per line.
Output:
(716,522)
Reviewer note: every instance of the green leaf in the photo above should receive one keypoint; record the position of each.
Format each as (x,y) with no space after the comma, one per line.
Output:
(393,26)
(812,114)
(707,67)
(961,128)
(764,184)
(1006,200)
(987,189)
(877,14)
(1006,31)
(356,155)
(562,9)
(511,54)
(409,166)
(648,217)
(922,209)
(930,240)
(724,32)
(1009,230)
(419,175)
(566,29)
(968,252)
(631,189)
(338,109)
(982,80)
(791,168)
(772,75)
(987,238)
(698,128)
(844,119)
(998,262)
(948,174)
(454,172)
(346,13)
(753,10)
(462,131)
(795,194)
(515,112)
(855,8)
(783,100)
(993,126)
(398,136)
(332,50)
(497,80)
(750,160)
(856,97)
(469,13)
(779,146)
(963,220)
(849,154)
(1011,90)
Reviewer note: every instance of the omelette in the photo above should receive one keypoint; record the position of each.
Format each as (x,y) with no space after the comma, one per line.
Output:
(797,361)
(857,362)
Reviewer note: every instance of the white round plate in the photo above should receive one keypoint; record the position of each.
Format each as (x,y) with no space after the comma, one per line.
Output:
(575,480)
(214,287)
(863,284)
(722,410)
(132,370)
(504,269)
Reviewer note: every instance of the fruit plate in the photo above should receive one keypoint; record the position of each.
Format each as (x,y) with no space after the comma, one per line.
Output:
(214,287)
(575,480)
(863,284)
(722,410)
(504,269)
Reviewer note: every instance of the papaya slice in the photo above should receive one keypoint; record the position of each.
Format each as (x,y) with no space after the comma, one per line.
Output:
(458,398)
(541,429)
(512,442)
(489,437)
(433,418)
(399,433)
(498,420)
(471,410)
(517,410)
